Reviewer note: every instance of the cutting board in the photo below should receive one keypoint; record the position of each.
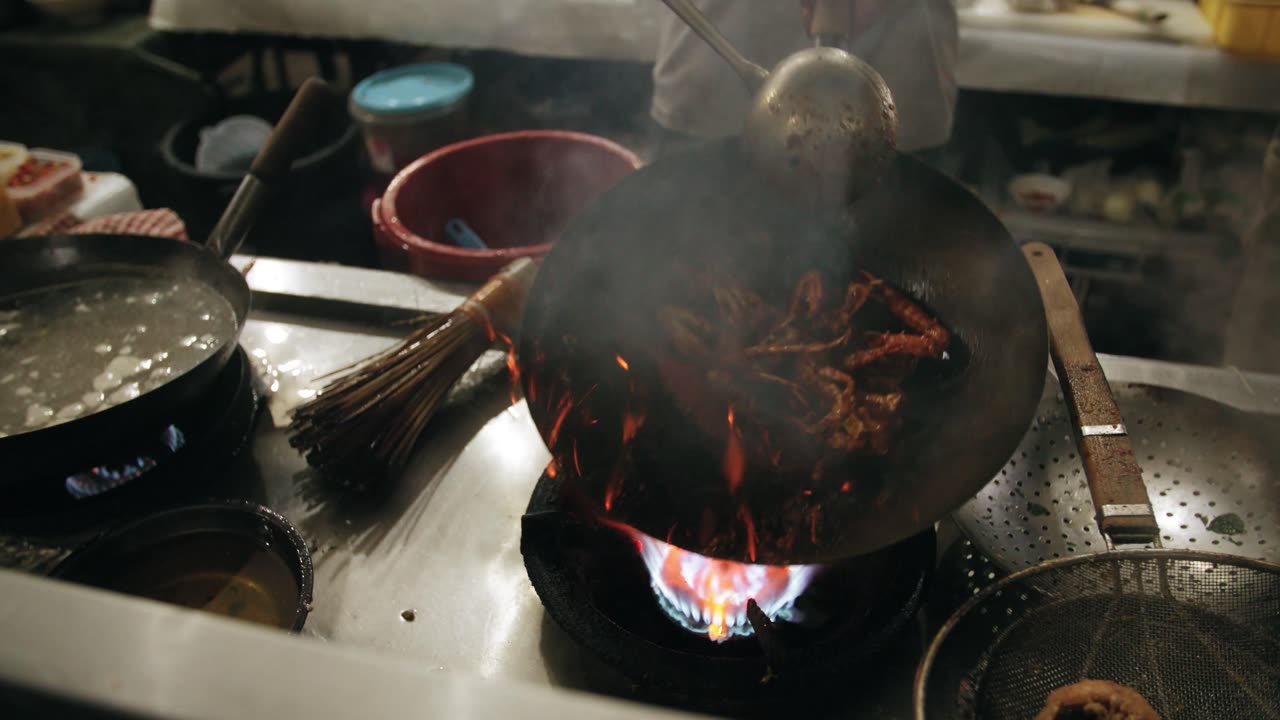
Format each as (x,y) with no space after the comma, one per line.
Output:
(1184,25)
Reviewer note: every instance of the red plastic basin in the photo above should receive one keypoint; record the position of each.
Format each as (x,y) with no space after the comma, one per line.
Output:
(518,191)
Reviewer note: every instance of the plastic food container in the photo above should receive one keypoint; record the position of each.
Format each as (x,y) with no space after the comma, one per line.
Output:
(10,220)
(516,191)
(232,144)
(47,182)
(12,155)
(1245,26)
(408,111)
(1039,193)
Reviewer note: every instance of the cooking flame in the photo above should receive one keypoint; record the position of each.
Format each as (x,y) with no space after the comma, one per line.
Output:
(734,462)
(513,367)
(709,596)
(631,424)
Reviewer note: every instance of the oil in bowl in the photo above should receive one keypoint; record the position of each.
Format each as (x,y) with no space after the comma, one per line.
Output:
(225,574)
(238,560)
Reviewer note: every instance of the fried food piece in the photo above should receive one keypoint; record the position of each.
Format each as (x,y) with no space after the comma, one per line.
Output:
(804,362)
(1096,700)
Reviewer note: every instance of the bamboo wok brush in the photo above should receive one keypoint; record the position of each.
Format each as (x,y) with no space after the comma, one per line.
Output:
(362,427)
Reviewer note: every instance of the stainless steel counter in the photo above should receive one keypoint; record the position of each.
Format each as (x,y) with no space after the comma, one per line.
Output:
(444,539)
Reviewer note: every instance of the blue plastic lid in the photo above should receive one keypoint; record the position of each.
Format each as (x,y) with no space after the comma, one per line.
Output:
(412,89)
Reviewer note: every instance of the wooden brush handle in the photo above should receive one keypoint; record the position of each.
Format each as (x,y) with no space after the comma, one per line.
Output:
(499,302)
(1115,480)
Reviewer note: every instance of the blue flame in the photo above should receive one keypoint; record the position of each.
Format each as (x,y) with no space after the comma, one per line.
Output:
(103,478)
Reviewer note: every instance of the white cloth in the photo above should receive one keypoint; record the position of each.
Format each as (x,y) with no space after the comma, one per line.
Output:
(613,29)
(1000,51)
(913,45)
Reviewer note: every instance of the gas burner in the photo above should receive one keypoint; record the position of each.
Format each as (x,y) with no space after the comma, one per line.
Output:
(595,583)
(105,478)
(712,597)
(161,463)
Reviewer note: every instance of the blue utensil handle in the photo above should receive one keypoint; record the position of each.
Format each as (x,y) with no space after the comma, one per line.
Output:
(461,234)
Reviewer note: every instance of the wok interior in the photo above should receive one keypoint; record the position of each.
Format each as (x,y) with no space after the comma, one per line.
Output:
(597,298)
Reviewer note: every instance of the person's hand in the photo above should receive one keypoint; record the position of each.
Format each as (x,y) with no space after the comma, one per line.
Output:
(862,13)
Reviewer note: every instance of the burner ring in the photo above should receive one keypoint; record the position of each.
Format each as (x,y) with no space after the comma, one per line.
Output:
(700,672)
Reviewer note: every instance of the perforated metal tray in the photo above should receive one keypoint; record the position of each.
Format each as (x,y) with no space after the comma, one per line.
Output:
(1209,469)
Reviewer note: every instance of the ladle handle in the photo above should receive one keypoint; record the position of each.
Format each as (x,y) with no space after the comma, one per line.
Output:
(286,143)
(1115,479)
(830,24)
(752,74)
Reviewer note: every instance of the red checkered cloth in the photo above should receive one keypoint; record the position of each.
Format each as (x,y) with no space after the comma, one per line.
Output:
(159,223)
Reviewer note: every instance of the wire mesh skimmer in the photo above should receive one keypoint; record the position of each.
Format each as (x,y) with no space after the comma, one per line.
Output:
(1196,634)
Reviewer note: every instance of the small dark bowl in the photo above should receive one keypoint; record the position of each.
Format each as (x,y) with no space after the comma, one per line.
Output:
(232,558)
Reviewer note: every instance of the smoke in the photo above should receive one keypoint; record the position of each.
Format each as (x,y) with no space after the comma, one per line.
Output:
(1252,340)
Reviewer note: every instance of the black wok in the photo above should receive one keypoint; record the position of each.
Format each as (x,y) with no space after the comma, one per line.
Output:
(40,459)
(593,310)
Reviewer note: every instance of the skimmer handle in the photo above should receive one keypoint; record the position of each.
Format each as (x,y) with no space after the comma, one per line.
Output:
(1115,479)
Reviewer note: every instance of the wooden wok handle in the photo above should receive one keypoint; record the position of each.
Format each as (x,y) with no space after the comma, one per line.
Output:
(1115,480)
(295,128)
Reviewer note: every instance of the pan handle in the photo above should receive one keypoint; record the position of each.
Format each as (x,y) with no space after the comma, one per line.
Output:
(1115,480)
(274,160)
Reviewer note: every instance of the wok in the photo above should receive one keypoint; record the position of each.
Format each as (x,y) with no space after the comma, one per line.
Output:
(635,455)
(37,461)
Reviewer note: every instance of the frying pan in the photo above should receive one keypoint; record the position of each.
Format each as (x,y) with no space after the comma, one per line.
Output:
(38,461)
(590,332)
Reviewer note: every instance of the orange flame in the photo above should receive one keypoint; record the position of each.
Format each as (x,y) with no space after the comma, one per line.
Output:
(622,363)
(749,525)
(566,404)
(613,488)
(552,469)
(734,462)
(577,465)
(513,367)
(631,424)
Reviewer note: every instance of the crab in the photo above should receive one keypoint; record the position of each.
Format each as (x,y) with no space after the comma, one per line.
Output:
(831,383)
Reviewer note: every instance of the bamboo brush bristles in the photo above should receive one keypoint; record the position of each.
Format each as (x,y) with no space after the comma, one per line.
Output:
(363,426)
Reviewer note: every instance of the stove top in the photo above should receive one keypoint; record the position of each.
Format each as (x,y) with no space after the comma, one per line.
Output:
(429,571)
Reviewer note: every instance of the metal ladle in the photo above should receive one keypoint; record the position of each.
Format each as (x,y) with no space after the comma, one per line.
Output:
(822,124)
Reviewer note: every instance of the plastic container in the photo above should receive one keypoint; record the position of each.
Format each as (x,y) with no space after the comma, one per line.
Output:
(518,191)
(314,215)
(10,220)
(1245,26)
(231,144)
(12,155)
(47,182)
(1039,193)
(408,111)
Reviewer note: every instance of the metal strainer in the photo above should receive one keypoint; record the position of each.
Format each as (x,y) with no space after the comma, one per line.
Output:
(1197,634)
(1212,473)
